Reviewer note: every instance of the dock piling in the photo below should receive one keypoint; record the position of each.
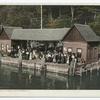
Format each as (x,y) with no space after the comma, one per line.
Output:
(67,85)
(86,72)
(43,75)
(34,69)
(30,78)
(91,69)
(0,65)
(0,60)
(53,83)
(20,61)
(20,67)
(71,71)
(80,71)
(97,71)
(44,70)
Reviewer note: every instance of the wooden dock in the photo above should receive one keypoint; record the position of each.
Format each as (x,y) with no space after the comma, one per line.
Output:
(30,64)
(51,67)
(84,68)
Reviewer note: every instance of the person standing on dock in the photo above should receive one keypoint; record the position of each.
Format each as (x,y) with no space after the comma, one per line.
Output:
(20,54)
(30,55)
(72,65)
(67,59)
(70,59)
(27,54)
(75,64)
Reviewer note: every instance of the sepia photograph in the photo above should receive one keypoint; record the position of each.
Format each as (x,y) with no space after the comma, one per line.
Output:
(50,47)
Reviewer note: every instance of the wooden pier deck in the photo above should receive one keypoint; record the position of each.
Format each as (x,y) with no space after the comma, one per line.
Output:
(84,68)
(51,67)
(31,64)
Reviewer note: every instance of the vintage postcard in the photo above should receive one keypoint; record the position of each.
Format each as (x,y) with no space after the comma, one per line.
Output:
(49,50)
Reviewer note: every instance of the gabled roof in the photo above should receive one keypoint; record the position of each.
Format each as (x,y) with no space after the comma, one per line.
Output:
(87,33)
(9,30)
(39,35)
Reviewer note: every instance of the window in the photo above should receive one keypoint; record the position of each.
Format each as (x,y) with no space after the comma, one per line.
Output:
(69,50)
(7,47)
(95,52)
(79,52)
(2,47)
(64,49)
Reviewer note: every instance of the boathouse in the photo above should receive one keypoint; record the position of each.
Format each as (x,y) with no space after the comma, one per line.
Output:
(83,41)
(45,38)
(5,37)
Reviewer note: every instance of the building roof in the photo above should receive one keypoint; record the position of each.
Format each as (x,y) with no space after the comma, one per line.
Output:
(39,35)
(87,33)
(9,30)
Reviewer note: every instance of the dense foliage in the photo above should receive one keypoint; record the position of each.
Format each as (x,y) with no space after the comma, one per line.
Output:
(66,16)
(53,16)
(24,16)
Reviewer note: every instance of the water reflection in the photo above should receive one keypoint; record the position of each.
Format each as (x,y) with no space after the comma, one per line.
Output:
(10,78)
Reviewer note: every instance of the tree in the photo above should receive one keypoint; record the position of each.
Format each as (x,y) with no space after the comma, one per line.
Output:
(72,14)
(96,25)
(20,16)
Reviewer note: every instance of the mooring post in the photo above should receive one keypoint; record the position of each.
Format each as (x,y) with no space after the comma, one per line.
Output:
(53,83)
(81,71)
(97,71)
(70,71)
(30,78)
(80,80)
(20,66)
(44,70)
(0,64)
(91,69)
(86,71)
(34,69)
(20,61)
(26,79)
(91,72)
(80,77)
(73,72)
(43,75)
(67,85)
(0,60)
(20,71)
(97,65)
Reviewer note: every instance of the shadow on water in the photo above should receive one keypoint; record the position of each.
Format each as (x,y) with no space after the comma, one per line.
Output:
(12,79)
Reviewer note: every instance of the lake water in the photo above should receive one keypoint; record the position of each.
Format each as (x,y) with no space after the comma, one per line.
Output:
(10,78)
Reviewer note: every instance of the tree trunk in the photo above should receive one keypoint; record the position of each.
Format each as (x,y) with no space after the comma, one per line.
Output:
(95,15)
(85,22)
(50,13)
(59,12)
(72,14)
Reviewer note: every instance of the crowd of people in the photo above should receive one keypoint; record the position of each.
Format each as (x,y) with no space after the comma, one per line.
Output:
(49,56)
(54,56)
(59,57)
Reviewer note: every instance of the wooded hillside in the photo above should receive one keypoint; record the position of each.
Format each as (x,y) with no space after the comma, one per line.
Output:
(24,16)
(66,16)
(53,16)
